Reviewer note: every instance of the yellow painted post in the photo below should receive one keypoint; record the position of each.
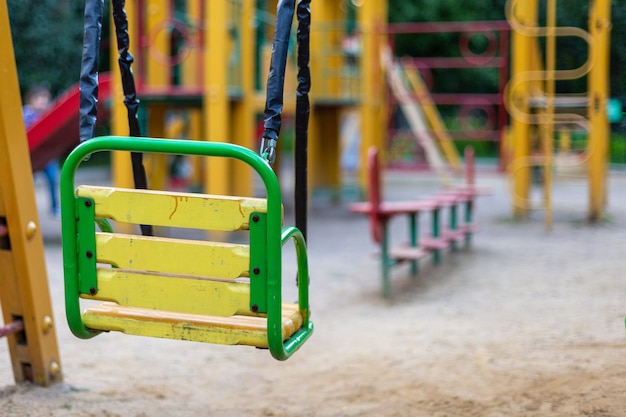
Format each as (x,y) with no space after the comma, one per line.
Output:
(156,164)
(324,148)
(324,142)
(192,64)
(372,18)
(216,102)
(121,169)
(192,77)
(243,119)
(548,114)
(525,12)
(195,133)
(598,86)
(158,71)
(326,48)
(24,292)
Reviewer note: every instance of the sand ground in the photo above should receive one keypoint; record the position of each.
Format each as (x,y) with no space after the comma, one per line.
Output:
(524,323)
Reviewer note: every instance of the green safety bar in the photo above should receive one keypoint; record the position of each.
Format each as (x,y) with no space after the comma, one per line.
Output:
(277,236)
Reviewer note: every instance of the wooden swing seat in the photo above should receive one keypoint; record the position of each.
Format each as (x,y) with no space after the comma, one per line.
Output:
(182,287)
(177,288)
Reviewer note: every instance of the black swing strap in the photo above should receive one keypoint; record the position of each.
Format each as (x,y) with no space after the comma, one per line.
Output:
(276,79)
(302,115)
(125,60)
(274,96)
(88,84)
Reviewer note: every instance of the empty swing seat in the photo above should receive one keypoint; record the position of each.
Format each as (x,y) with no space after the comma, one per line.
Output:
(181,288)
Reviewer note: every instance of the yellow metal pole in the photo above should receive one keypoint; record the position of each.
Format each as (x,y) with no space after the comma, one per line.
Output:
(372,18)
(192,77)
(158,72)
(599,27)
(157,14)
(120,161)
(324,148)
(548,122)
(216,103)
(326,48)
(156,164)
(24,292)
(243,109)
(191,66)
(525,12)
(324,141)
(195,133)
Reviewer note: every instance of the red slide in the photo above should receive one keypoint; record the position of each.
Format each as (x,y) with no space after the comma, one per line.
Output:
(56,132)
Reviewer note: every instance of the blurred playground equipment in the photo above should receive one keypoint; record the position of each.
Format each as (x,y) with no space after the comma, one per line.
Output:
(551,133)
(181,90)
(29,326)
(56,132)
(419,245)
(422,109)
(220,97)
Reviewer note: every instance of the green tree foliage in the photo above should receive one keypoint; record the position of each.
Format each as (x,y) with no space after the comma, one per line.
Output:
(447,44)
(571,52)
(445,10)
(47,38)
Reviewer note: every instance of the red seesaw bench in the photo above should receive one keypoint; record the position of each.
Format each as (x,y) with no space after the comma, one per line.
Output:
(439,238)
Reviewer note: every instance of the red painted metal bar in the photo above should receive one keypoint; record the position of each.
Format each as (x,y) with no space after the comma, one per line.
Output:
(459,99)
(11,328)
(458,62)
(447,27)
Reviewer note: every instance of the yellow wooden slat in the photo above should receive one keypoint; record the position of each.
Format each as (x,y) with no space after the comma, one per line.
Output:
(160,208)
(238,330)
(182,293)
(180,256)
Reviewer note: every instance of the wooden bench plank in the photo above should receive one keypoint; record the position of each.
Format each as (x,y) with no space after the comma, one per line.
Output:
(181,256)
(469,228)
(393,208)
(453,235)
(187,294)
(236,330)
(433,243)
(170,209)
(407,253)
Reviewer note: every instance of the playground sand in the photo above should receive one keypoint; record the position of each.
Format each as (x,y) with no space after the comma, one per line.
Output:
(524,323)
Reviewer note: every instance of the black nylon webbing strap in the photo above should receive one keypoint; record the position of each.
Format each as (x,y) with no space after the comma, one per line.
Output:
(88,84)
(125,60)
(274,99)
(94,10)
(302,115)
(276,78)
